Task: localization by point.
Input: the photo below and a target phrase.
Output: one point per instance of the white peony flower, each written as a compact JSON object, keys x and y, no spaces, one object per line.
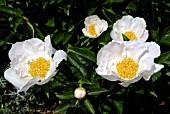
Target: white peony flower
{"x":32,"y":63}
{"x":94,"y":26}
{"x":128,"y":61}
{"x":133,"y":28}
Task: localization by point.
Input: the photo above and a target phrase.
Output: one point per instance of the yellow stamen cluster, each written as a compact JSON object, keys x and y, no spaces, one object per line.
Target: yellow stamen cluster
{"x":127,"y":68}
{"x":92,"y":30}
{"x":131,"y":35}
{"x":39,"y":67}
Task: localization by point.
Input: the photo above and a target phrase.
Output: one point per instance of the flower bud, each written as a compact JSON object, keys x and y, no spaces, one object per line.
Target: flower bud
{"x":80,"y":93}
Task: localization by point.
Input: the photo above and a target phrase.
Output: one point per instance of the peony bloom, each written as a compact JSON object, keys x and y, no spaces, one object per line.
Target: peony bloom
{"x":133,"y":28}
{"x":94,"y":26}
{"x":128,"y":61}
{"x":80,"y":93}
{"x":32,"y":63}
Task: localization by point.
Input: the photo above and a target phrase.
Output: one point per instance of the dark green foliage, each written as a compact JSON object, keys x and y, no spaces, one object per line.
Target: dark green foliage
{"x":63,"y":20}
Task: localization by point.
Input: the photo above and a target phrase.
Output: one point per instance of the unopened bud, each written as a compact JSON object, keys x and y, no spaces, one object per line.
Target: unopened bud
{"x":80,"y":93}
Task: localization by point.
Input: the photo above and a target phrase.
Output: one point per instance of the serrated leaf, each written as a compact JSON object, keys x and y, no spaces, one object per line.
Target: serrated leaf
{"x":96,"y":91}
{"x":156,"y":76}
{"x":82,"y":52}
{"x":74,"y":61}
{"x":119,"y":106}
{"x":89,"y":106}
{"x":163,"y":57}
{"x":12,"y":11}
{"x":63,"y":106}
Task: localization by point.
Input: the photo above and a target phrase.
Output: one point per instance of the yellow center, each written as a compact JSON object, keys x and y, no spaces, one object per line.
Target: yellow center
{"x":131,"y":35}
{"x":92,"y":30}
{"x":39,"y":67}
{"x":127,"y":68}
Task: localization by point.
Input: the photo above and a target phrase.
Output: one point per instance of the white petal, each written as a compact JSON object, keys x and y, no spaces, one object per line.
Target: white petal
{"x":59,"y":56}
{"x":20,"y":83}
{"x":117,"y":36}
{"x":138,"y":26}
{"x":135,"y":49}
{"x":48,"y":45}
{"x":154,"y":49}
{"x":30,"y":83}
{"x":16,"y":50}
{"x":33,"y":46}
{"x":144,"y":36}
{"x":123,"y":24}
{"x":127,"y":82}
{"x":91,"y":19}
{"x":155,"y":68}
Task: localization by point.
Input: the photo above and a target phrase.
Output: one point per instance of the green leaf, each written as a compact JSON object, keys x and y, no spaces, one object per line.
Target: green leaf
{"x":67,"y":36}
{"x":44,"y":4}
{"x":156,"y":76}
{"x":131,"y":6}
{"x":12,"y":11}
{"x":119,"y":106}
{"x":51,"y":22}
{"x":105,"y":37}
{"x":63,"y":106}
{"x":168,"y":73}
{"x":107,"y":17}
{"x":96,"y":91}
{"x":74,"y":61}
{"x":58,"y":37}
{"x":114,"y":1}
{"x":89,"y":106}
{"x":39,"y":33}
{"x":82,"y":52}
{"x":7,"y":38}
{"x":153,"y":94}
{"x":165,"y":39}
{"x":125,"y":38}
{"x":163,"y":57}
{"x":65,"y":95}
{"x":155,"y":35}
{"x":91,"y":11}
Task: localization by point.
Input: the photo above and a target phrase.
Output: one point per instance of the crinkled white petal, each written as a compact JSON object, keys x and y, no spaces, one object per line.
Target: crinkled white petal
{"x":15,"y":51}
{"x":21,"y":83}
{"x":100,"y":26}
{"x":22,"y":53}
{"x":33,"y":46}
{"x":58,"y":57}
{"x":128,"y":23}
{"x":91,"y":19}
{"x":48,"y":45}
{"x":110,"y":54}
